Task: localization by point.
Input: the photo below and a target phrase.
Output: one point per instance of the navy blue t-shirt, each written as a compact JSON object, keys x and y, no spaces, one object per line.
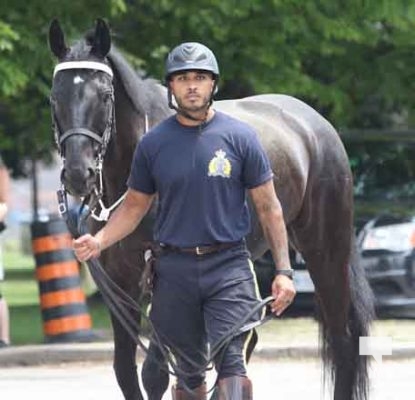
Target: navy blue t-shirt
{"x":201,"y":177}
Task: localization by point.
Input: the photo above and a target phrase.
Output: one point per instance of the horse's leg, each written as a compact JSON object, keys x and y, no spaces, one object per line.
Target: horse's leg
{"x":324,"y":236}
{"x":125,"y":366}
{"x":155,"y":378}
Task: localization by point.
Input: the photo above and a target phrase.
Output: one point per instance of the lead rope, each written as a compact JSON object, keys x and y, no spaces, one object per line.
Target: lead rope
{"x":121,"y":304}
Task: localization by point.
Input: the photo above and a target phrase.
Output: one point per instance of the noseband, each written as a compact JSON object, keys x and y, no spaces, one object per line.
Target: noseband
{"x":101,"y":138}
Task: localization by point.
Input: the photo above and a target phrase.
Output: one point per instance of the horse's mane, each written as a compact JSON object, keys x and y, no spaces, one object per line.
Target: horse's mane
{"x":133,"y":83}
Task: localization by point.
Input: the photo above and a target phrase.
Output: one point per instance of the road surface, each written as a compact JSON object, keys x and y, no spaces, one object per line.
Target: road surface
{"x":283,"y":380}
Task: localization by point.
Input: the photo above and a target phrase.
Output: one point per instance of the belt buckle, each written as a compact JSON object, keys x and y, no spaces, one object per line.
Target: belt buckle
{"x":199,"y":251}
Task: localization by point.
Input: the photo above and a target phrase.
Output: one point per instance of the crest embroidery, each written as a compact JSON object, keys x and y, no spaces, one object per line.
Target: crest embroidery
{"x":220,"y":165}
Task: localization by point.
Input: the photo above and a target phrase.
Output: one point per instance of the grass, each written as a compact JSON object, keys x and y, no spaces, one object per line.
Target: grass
{"x":20,"y":289}
{"x":290,"y":331}
{"x":21,"y":292}
{"x":304,"y":331}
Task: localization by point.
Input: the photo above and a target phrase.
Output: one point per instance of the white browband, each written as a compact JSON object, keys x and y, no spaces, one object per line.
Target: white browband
{"x":83,"y":65}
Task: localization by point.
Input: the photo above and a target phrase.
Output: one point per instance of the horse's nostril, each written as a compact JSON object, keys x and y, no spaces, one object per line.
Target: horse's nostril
{"x":91,"y":173}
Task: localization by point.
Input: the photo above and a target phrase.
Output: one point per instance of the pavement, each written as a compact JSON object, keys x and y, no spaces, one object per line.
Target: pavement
{"x":102,"y":351}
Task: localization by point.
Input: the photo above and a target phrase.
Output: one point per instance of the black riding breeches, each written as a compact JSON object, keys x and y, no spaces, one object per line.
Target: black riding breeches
{"x":199,"y":299}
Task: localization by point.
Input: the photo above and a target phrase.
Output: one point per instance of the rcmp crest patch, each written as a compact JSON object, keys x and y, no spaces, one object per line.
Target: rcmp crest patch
{"x":220,"y":165}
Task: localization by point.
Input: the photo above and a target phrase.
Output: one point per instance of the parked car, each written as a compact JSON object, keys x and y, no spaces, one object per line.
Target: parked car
{"x":385,"y":203}
{"x":387,"y":253}
{"x":384,"y":185}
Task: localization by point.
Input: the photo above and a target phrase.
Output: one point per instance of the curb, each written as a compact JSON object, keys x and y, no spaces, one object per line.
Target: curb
{"x":52,"y":354}
{"x":278,"y":352}
{"x":403,"y":351}
{"x":47,"y":354}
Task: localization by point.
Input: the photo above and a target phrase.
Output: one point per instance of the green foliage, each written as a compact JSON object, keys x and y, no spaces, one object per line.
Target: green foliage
{"x":26,"y":65}
{"x":11,"y":80}
{"x":351,"y":60}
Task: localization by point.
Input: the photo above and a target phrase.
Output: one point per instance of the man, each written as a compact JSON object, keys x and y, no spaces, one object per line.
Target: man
{"x":201,"y":163}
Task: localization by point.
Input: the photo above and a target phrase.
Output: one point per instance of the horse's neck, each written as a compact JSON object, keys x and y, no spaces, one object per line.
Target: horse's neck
{"x":132,"y":122}
{"x":141,"y":107}
{"x":139,"y":104}
{"x":130,"y":125}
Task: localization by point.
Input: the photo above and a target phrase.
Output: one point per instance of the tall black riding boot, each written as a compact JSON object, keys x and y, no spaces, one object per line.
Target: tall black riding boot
{"x":235,"y":388}
{"x":198,"y":393}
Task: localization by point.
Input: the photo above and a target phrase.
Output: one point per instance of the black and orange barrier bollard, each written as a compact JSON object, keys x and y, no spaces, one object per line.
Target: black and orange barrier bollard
{"x":62,"y":301}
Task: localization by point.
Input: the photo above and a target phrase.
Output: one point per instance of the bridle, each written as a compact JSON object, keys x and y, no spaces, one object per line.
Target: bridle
{"x":102,"y":138}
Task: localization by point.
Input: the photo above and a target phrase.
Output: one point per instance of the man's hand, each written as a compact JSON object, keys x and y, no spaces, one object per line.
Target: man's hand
{"x":3,"y":211}
{"x":86,"y":247}
{"x":283,"y":291}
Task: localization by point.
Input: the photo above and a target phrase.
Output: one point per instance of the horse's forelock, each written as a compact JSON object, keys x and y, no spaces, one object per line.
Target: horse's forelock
{"x":79,"y":51}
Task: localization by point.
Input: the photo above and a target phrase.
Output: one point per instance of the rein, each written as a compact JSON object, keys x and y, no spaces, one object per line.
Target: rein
{"x":121,"y":305}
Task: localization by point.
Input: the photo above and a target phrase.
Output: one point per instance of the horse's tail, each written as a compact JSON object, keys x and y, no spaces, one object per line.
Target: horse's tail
{"x":338,"y":350}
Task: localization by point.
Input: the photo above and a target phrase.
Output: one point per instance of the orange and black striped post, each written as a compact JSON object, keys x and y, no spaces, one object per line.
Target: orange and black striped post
{"x":62,"y":301}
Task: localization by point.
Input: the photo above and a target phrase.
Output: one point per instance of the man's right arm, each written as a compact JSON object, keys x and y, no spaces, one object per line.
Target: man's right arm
{"x":121,"y":223}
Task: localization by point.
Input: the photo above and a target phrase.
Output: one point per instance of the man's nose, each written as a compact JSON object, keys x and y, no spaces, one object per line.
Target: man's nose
{"x":192,"y":87}
{"x":192,"y":83}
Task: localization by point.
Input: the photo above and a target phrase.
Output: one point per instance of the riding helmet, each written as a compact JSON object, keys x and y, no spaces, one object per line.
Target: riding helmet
{"x":191,"y":56}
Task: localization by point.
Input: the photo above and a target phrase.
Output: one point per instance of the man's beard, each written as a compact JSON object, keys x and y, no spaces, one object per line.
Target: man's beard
{"x":194,"y":108}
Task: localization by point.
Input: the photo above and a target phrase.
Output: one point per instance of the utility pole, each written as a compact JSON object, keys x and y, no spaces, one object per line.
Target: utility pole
{"x":35,"y":190}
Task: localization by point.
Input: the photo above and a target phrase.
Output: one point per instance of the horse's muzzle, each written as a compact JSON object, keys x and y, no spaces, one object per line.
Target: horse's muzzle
{"x":78,"y":181}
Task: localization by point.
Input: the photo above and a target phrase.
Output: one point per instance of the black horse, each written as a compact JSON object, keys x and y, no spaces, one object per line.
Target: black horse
{"x":101,"y":108}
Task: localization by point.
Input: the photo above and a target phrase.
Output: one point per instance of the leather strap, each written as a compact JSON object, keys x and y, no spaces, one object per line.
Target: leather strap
{"x":200,"y":250}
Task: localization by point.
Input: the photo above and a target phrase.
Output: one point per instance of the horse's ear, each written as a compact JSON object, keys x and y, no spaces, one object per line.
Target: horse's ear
{"x":102,"y":39}
{"x":57,"y":40}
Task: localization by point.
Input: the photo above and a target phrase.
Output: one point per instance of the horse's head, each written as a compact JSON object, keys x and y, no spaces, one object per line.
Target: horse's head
{"x":82,"y":101}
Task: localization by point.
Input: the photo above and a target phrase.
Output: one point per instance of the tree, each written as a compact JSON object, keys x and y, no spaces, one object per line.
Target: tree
{"x":26,"y":65}
{"x":350,"y":60}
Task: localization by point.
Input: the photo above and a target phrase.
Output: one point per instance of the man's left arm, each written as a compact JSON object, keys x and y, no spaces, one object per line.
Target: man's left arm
{"x":270,"y":216}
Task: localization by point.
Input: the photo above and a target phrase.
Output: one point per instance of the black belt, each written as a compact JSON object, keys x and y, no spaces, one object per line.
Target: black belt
{"x":200,"y":250}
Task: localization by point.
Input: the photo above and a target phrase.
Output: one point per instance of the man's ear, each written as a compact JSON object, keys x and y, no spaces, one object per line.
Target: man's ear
{"x":169,"y":84}
{"x":215,"y":86}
